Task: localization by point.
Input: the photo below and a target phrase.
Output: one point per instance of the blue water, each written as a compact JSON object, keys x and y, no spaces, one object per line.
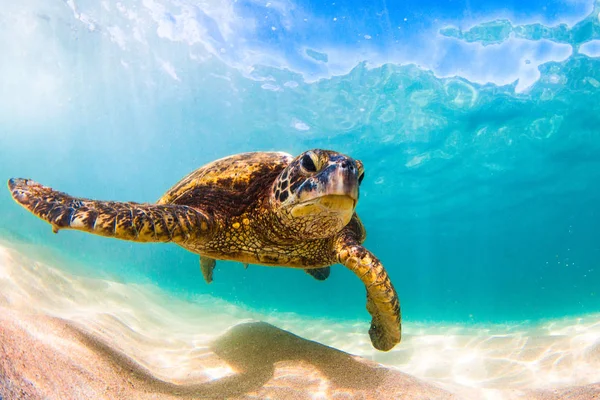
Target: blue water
{"x":478,"y":124}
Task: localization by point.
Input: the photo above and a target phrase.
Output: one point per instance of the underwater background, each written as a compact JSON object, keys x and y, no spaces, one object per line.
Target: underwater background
{"x":478,"y":124}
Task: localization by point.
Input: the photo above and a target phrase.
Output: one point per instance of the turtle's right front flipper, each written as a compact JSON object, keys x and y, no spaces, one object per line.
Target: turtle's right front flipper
{"x":127,"y":221}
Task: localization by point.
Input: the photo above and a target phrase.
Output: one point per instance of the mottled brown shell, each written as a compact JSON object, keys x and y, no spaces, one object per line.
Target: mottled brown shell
{"x":229,"y":184}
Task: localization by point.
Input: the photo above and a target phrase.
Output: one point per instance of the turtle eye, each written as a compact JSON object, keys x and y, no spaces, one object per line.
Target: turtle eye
{"x":361,"y":171}
{"x":308,"y":163}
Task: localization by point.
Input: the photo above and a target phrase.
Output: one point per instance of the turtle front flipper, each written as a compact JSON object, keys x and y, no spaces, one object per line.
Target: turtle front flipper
{"x":319,"y":274}
{"x":382,"y":300}
{"x":127,"y":221}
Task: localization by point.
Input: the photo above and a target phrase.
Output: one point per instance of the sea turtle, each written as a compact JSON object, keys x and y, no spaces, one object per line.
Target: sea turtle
{"x":265,"y":208}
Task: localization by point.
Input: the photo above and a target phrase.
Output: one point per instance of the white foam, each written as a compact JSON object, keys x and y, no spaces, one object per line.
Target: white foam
{"x":299,"y":125}
{"x":117,"y":36}
{"x":591,"y":48}
{"x":169,"y":69}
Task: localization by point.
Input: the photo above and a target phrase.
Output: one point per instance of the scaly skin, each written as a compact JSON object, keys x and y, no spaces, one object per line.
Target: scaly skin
{"x":382,"y":300}
{"x":258,"y":208}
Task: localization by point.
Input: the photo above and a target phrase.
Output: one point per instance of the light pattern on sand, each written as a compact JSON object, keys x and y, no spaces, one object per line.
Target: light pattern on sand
{"x":171,"y":337}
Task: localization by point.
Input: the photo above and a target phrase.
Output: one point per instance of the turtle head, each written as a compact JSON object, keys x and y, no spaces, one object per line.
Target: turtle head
{"x":317,"y":192}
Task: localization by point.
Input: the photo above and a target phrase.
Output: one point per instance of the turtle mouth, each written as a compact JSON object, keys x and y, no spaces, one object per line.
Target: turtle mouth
{"x":337,"y":201}
{"x":327,"y":204}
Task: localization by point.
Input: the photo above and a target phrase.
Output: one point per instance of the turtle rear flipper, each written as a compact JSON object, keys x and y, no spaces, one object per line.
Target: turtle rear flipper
{"x":319,"y":274}
{"x":207,"y":265}
{"x":127,"y":221}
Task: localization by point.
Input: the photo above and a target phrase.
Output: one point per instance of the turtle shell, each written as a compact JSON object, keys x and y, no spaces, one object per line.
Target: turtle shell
{"x":229,"y":185}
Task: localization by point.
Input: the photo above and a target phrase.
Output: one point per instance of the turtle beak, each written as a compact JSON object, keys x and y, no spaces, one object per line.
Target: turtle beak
{"x":342,"y":180}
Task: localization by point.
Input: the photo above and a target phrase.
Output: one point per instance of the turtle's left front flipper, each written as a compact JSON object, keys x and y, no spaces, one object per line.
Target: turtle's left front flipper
{"x":382,"y":299}
{"x":127,"y":221}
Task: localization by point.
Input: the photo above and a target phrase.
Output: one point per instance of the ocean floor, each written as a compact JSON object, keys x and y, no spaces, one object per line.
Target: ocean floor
{"x":61,"y":330}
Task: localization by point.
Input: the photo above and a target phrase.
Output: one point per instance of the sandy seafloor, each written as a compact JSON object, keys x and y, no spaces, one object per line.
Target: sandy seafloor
{"x":64,"y":335}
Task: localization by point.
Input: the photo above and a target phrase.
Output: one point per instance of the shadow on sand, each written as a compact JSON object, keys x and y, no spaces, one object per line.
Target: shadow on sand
{"x":253,"y":350}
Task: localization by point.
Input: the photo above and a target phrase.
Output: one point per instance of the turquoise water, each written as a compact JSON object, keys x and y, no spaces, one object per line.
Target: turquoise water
{"x":481,"y":192}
